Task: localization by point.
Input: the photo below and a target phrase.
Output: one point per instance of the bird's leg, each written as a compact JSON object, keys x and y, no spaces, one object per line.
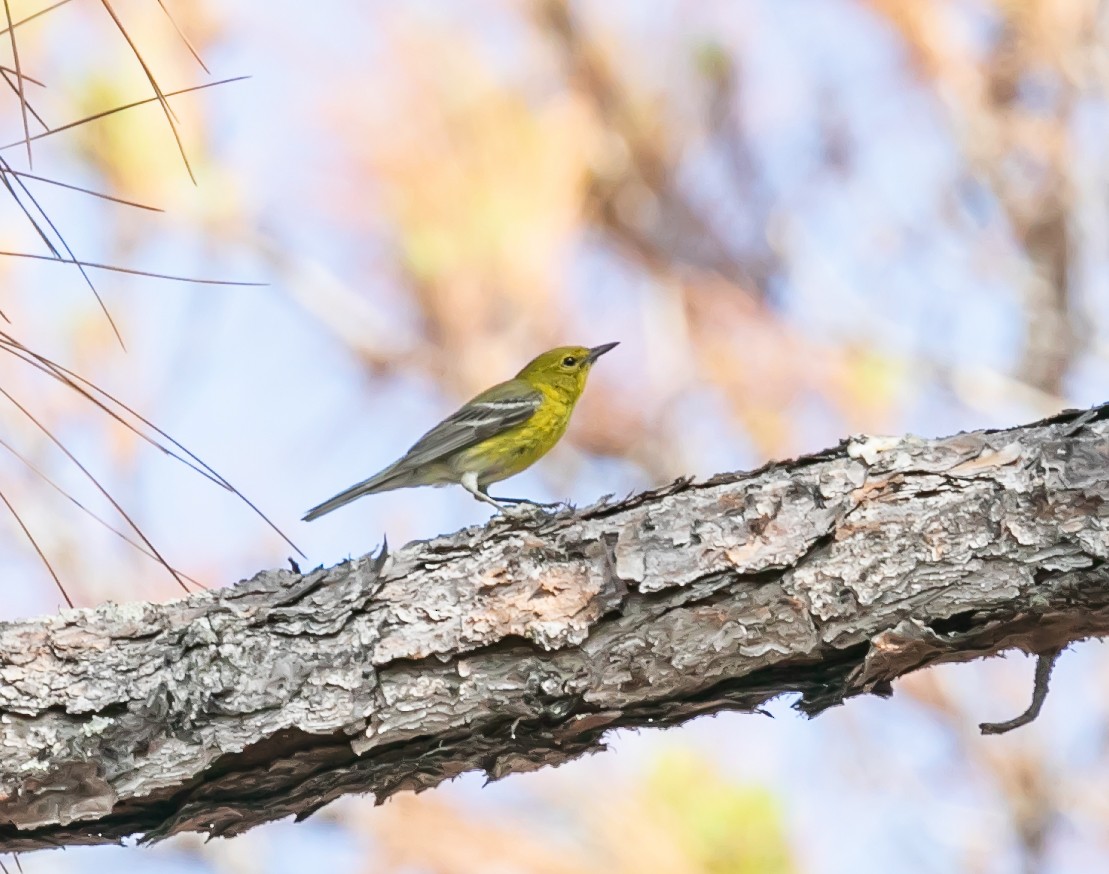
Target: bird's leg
{"x":469,"y":483}
{"x":511,"y":507}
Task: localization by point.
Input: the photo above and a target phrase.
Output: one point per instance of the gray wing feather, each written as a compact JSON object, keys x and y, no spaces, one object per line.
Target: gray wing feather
{"x":490,"y":413}
{"x":477,"y":421}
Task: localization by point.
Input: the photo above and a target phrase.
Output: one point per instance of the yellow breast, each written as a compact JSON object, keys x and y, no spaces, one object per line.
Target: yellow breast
{"x":520,"y":447}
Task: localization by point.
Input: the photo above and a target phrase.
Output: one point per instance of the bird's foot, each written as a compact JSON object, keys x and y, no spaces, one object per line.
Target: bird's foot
{"x":527,"y":501}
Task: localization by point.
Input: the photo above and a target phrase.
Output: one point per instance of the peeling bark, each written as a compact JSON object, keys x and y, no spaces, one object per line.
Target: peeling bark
{"x":518,"y":645}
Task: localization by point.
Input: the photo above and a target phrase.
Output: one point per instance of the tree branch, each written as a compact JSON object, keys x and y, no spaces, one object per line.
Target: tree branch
{"x":518,"y":645}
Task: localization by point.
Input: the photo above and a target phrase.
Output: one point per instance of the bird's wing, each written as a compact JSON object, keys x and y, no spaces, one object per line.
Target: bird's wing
{"x":493,"y":411}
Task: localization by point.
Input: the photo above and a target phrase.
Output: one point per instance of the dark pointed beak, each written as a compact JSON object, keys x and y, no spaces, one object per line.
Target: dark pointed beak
{"x":597,"y":351}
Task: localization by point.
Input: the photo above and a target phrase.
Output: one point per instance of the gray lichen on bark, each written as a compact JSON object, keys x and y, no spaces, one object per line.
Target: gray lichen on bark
{"x":518,"y":645}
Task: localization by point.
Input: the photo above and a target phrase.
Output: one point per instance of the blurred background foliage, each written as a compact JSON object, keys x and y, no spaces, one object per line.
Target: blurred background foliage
{"x":801,"y":218}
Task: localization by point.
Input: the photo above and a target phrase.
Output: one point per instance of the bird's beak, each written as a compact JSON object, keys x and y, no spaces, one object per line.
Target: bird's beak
{"x":597,"y":351}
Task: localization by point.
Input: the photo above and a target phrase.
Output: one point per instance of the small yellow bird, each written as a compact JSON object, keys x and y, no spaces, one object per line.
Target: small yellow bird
{"x":499,"y":433}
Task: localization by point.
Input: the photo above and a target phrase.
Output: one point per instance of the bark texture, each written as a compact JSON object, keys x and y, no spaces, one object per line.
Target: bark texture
{"x":518,"y":645}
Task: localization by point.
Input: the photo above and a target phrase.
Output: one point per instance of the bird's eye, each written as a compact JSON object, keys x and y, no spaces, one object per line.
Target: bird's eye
{"x":569,"y":361}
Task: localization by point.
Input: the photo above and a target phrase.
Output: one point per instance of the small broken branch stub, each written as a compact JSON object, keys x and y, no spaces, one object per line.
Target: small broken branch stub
{"x":1045,"y":662}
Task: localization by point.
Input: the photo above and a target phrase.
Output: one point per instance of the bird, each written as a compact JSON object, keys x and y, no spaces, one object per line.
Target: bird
{"x":497,"y":434}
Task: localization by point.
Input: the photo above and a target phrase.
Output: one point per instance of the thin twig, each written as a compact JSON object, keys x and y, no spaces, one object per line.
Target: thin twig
{"x":171,"y":118}
{"x":126,"y":106}
{"x":83,"y":190}
{"x":85,"y":388}
{"x":35,"y":15}
{"x":104,"y":522}
{"x":184,"y":38}
{"x":38,"y":548}
{"x":72,"y":256}
{"x":19,"y":83}
{"x":96,"y":482}
{"x":133,"y":272}
{"x":1045,"y":661}
{"x":15,"y":72}
{"x":6,"y":73}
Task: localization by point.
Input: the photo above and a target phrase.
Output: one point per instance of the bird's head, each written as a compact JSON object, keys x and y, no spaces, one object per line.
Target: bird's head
{"x":564,"y":368}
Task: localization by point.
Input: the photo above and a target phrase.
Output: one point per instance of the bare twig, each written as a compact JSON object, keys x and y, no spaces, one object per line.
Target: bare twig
{"x":98,"y":194}
{"x":35,"y":15}
{"x":1045,"y":662}
{"x":171,"y":118}
{"x":184,"y":38}
{"x":103,"y":399}
{"x":37,"y":548}
{"x":122,"y":108}
{"x":134,"y":272}
{"x":19,"y":83}
{"x":99,"y":487}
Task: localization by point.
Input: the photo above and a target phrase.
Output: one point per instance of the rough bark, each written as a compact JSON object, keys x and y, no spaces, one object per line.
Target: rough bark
{"x":518,"y":645}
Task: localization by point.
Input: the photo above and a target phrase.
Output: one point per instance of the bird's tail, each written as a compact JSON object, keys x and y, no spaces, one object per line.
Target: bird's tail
{"x":390,"y":478}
